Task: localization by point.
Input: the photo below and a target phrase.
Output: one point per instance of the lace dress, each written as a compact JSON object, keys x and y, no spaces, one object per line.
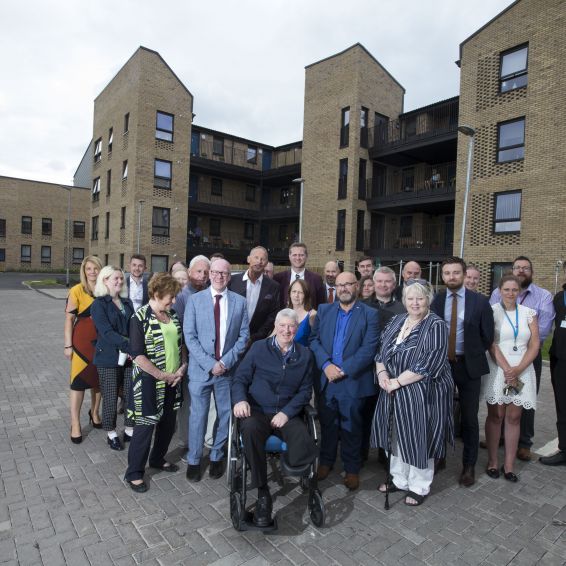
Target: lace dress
{"x":494,"y":382}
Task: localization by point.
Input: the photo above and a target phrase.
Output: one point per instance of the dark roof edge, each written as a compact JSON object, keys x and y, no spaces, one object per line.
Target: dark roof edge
{"x":451,"y":99}
{"x":358,"y":44}
{"x":61,"y":185}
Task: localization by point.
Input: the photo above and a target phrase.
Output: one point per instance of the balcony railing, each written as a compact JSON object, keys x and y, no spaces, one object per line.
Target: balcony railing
{"x":227,"y":198}
{"x":426,"y":239}
{"x":430,"y":122}
{"x":226,"y":241}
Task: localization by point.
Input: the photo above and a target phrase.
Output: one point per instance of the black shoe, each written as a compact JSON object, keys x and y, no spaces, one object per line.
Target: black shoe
{"x":493,"y":473}
{"x":114,"y":443}
{"x":558,"y":459}
{"x":138,"y":487}
{"x":468,"y":476}
{"x":509,"y":476}
{"x":262,"y":513}
{"x":171,"y":468}
{"x":77,"y":439}
{"x":216,"y":469}
{"x":91,"y":420}
{"x":193,"y":472}
{"x":126,"y":438}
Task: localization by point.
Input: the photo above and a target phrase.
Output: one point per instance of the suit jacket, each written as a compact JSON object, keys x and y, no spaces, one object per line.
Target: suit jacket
{"x":145,"y":279}
{"x":360,"y":346}
{"x":181,"y":301}
{"x":261,"y":323}
{"x":200,"y":335}
{"x":313,"y":280}
{"x":479,"y":330}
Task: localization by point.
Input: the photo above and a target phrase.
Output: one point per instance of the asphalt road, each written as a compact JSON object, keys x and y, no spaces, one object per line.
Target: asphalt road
{"x":13,"y":280}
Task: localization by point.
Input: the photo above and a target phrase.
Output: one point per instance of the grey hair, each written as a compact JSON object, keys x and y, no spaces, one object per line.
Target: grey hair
{"x":198,"y":258}
{"x":422,"y":290}
{"x":287,"y":313}
{"x":386,"y":270}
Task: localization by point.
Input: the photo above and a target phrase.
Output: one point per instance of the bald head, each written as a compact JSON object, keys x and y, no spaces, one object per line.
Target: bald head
{"x":331,"y":270}
{"x":412,"y":270}
{"x":219,"y":274}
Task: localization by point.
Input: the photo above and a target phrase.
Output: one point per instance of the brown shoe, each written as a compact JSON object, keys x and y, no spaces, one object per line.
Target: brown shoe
{"x":468,"y":476}
{"x":323,"y":472}
{"x":352,"y":481}
{"x":524,"y":454}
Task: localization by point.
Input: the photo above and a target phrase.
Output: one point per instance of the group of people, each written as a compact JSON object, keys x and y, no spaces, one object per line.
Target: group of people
{"x":385,"y":364}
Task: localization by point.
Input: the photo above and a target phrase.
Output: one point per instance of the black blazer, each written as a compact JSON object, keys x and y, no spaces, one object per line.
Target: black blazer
{"x":312,"y":279}
{"x":479,"y":330}
{"x":267,"y":307}
{"x":145,"y":279}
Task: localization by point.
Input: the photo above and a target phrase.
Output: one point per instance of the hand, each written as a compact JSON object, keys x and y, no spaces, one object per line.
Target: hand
{"x":279,"y":420}
{"x":393,"y":385}
{"x":218,"y":368}
{"x":384,"y":383}
{"x":242,"y":410}
{"x":511,"y":374}
{"x":68,"y":353}
{"x":333,"y":372}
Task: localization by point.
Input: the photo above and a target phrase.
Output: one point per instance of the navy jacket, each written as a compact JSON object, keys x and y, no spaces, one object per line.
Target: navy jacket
{"x":268,"y":384}
{"x":112,"y":329}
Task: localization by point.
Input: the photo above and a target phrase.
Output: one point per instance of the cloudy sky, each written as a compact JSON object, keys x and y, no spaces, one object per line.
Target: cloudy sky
{"x":242,"y":60}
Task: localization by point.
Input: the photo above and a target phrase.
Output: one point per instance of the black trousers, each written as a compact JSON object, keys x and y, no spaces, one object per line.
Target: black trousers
{"x":558,"y":377}
{"x":367,"y":421}
{"x":469,"y":394}
{"x":141,"y":440}
{"x":528,"y":415}
{"x":256,"y":429}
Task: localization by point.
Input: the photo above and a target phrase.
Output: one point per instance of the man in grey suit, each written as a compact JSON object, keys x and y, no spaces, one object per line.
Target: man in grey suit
{"x":216,"y":329}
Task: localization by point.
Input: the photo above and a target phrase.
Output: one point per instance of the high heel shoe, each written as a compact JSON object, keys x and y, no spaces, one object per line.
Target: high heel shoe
{"x":91,"y":420}
{"x":76,"y":439}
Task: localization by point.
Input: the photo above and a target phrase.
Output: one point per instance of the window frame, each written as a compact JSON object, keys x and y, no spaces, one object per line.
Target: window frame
{"x":2,"y":227}
{"x":500,"y":149}
{"x":164,"y":130}
{"x":77,"y":233}
{"x":216,"y":186}
{"x":522,"y":73}
{"x":126,"y":122}
{"x":345,"y":127}
{"x":362,"y":178}
{"x":95,"y":189}
{"x":406,"y":231}
{"x":496,"y":221}
{"x":26,"y":258}
{"x":41,"y":254}
{"x":110,"y":139}
{"x":125,"y":170}
{"x":122,"y":217}
{"x":161,"y":181}
{"x":94,"y":229}
{"x":166,"y":228}
{"x":360,"y":230}
{"x":340,"y":230}
{"x":47,"y":226}
{"x":251,"y":154}
{"x":97,"y":150}
{"x":343,"y":179}
{"x":107,"y":226}
{"x":76,"y":260}
{"x":26,"y":220}
{"x":217,"y":230}
{"x":216,"y":142}
{"x":251,"y":191}
{"x":2,"y":254}
{"x":108,"y":182}
{"x":364,"y":129}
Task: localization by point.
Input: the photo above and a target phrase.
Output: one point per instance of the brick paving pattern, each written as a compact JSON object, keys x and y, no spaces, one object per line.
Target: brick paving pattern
{"x":62,"y":503}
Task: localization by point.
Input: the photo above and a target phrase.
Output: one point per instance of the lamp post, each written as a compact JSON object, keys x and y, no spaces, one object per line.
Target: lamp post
{"x":139,"y":224}
{"x":470,"y":133}
{"x":301,"y":183}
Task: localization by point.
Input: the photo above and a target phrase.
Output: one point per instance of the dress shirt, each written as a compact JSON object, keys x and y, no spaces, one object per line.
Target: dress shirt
{"x":136,"y":292}
{"x":252,"y":293}
{"x":301,"y":275}
{"x":223,"y":314}
{"x":287,"y":354}
{"x":461,"y":311}
{"x":342,"y":322}
{"x":538,"y":299}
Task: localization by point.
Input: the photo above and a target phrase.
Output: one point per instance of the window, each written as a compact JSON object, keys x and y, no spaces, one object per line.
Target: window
{"x":108,"y":182}
{"x":340,"y":230}
{"x":381,"y":129}
{"x":408,"y":179}
{"x":2,"y":254}
{"x":360,"y":220}
{"x":193,"y":187}
{"x":106,"y":262}
{"x":251,"y":154}
{"x":25,"y":253}
{"x":78,"y":229}
{"x":498,"y":270}
{"x":126,"y":123}
{"x":507,"y":216}
{"x":411,"y":126}
{"x":249,"y":230}
{"x":46,"y":226}
{"x":45,"y":254}
{"x":345,"y":127}
{"x":513,"y":68}
{"x":250,"y":193}
{"x":110,"y":139}
{"x":97,"y":150}
{"x":107,"y":228}
{"x":26,"y":225}
{"x":511,"y":140}
{"x":164,"y":126}
{"x":96,"y":189}
{"x":160,"y":221}
{"x":218,"y":146}
{"x":123,"y":217}
{"x":364,"y":116}
{"x":282,"y":232}
{"x":215,"y":226}
{"x":122,"y":261}
{"x":216,"y":187}
{"x":405,"y":227}
{"x":362,"y":179}
{"x":343,"y":179}
{"x":124,"y":170}
{"x":162,"y":174}
{"x":159,"y":263}
{"x":2,"y":227}
{"x":78,"y":255}
{"x":285,"y":196}
{"x":94,"y":229}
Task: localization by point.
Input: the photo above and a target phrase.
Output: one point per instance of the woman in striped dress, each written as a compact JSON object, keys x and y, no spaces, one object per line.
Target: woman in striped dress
{"x":412,"y":368}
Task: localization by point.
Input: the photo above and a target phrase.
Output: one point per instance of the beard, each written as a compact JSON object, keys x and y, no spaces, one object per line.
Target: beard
{"x":346,"y":298}
{"x":526,"y":280}
{"x":454,"y":286}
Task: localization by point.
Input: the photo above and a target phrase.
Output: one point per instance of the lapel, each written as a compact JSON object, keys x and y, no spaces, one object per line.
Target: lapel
{"x":354,"y":320}
{"x":230,"y":303}
{"x":441,"y":303}
{"x":469,"y":301}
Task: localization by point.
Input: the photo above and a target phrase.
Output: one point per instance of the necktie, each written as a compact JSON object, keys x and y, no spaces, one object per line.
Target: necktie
{"x":330,"y":294}
{"x":217,"y":353}
{"x":453,"y":326}
{"x":297,"y":276}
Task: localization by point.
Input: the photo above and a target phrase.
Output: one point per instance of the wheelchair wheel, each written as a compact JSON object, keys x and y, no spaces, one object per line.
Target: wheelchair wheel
{"x":236,"y":510}
{"x":317,"y":513}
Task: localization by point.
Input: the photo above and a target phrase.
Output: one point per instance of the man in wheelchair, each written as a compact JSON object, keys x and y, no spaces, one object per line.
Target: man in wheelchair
{"x":271,"y":387}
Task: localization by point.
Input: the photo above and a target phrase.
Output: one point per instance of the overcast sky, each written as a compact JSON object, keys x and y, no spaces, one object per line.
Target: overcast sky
{"x":242,"y":60}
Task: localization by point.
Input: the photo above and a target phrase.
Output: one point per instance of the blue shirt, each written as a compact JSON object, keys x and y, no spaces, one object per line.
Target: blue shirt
{"x":342,"y":322}
{"x":461,"y":311}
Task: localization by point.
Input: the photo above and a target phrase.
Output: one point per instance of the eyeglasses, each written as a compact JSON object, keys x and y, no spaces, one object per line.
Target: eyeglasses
{"x":423,"y":282}
{"x":219,"y":273}
{"x":525,"y":269}
{"x":344,"y":285}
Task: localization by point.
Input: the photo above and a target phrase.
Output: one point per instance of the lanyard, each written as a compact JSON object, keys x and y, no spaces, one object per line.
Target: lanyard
{"x":515,"y":326}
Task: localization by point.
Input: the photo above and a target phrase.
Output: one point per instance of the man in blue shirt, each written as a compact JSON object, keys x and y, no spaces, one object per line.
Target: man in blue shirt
{"x":344,"y":343}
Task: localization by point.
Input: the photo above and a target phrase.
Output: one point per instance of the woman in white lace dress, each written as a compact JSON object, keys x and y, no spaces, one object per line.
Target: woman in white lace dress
{"x":511,"y":383}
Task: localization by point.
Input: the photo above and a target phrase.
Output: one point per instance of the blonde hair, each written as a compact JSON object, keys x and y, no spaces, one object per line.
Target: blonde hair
{"x":100,"y":290}
{"x":82,"y":272}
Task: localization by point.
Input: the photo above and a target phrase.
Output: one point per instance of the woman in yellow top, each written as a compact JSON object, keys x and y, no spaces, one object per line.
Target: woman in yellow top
{"x":80,"y":337}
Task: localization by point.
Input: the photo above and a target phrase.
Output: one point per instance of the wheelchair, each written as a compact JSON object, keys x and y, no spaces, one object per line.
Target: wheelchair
{"x":237,"y":471}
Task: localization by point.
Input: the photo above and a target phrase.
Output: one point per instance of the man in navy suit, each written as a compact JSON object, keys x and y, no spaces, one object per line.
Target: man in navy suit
{"x":216,"y":331}
{"x":298,"y":258}
{"x":469,"y":319}
{"x":344,"y":343}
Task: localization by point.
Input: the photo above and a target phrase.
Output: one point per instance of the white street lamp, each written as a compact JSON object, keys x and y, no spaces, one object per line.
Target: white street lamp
{"x":470,"y":133}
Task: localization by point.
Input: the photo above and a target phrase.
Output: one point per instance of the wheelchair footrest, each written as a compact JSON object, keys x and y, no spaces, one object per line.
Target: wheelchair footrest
{"x":247,"y":524}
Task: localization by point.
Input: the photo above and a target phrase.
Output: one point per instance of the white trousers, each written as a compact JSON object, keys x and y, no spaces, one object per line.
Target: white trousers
{"x":409,"y":478}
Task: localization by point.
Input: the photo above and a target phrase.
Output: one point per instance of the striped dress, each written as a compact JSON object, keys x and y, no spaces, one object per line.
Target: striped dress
{"x":423,"y":418}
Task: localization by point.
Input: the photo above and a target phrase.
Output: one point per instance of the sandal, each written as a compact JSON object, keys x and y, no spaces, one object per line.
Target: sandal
{"x":392,"y":488}
{"x":418,"y":498}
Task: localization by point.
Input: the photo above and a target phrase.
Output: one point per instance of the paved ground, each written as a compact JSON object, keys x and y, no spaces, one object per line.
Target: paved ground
{"x":62,"y":503}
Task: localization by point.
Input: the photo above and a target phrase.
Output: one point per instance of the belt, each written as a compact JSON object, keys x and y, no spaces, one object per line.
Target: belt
{"x":458,"y":358}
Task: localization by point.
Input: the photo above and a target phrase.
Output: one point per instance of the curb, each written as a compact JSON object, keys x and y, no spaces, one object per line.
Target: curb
{"x":43,"y":292}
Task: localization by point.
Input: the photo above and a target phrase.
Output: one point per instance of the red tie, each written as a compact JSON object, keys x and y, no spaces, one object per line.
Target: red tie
{"x":330,"y":294}
{"x":217,"y":353}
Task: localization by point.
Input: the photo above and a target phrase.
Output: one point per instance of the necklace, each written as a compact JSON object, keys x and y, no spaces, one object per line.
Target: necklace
{"x":408,"y":327}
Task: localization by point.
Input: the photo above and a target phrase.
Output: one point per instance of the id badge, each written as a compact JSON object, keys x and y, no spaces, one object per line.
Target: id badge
{"x":563,"y":324}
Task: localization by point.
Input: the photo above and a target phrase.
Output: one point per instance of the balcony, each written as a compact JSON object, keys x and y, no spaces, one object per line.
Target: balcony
{"x":428,"y":134}
{"x":232,"y":205}
{"x":231,"y":245}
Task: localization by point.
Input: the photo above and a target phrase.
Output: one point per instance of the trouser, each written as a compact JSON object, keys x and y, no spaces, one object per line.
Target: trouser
{"x":211,"y":425}
{"x":141,"y":440}
{"x":469,"y":394}
{"x":256,"y":429}
{"x":110,"y":381}
{"x":183,"y":414}
{"x":528,"y":415}
{"x":558,"y":377}
{"x":410,"y":478}
{"x":368,"y":413}
{"x":341,"y":418}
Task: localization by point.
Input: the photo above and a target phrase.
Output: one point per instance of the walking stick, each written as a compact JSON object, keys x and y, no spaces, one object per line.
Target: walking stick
{"x":389,"y":435}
